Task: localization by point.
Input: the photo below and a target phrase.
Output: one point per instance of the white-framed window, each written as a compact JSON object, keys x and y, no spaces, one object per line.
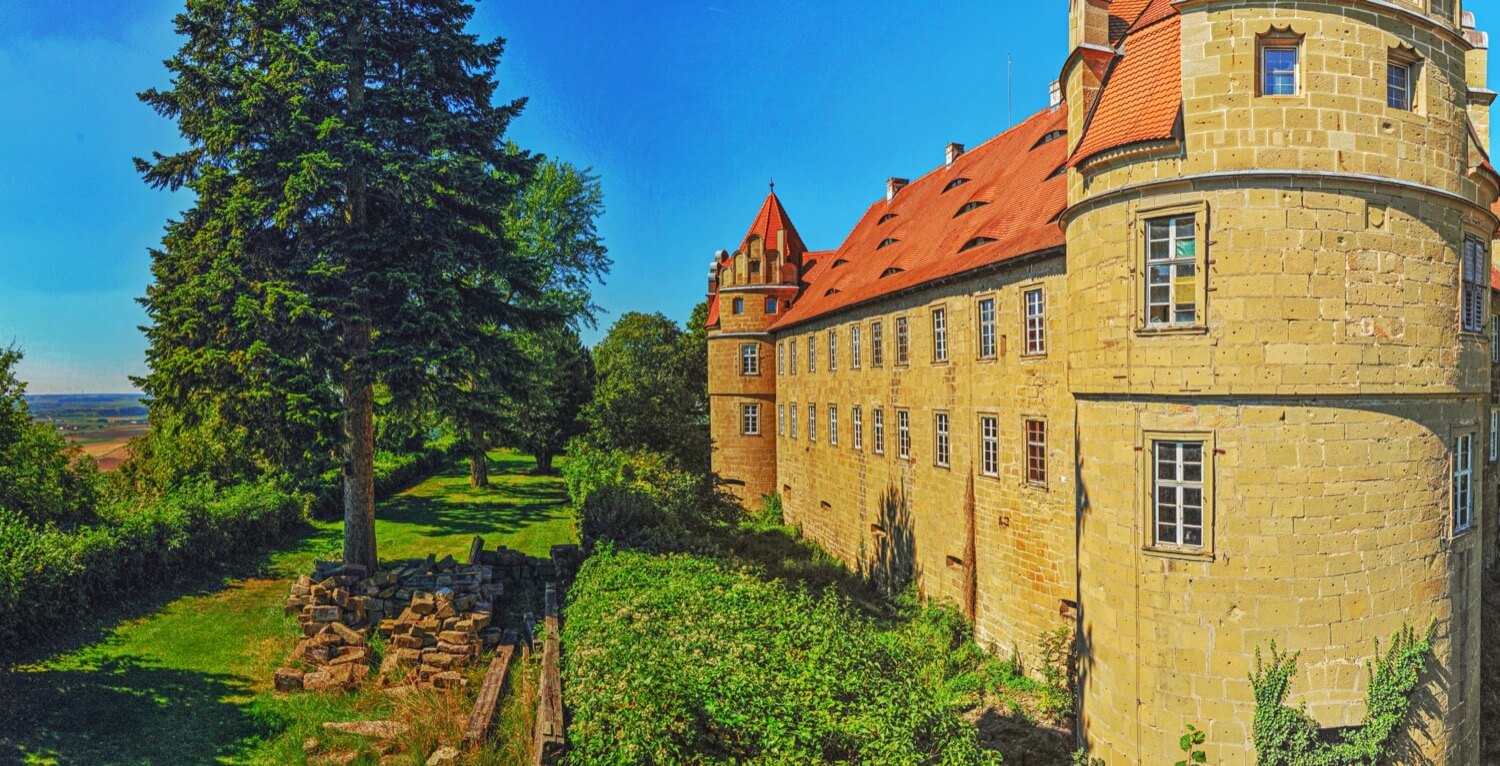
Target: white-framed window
{"x":1463,"y":483}
{"x":877,"y":430}
{"x":939,"y":335}
{"x":1494,"y":434}
{"x":940,"y":450}
{"x":903,"y":341}
{"x":749,"y":359}
{"x":1172,"y":271}
{"x":1036,"y":321}
{"x":854,"y":349}
{"x":903,"y":433}
{"x":812,"y":353}
{"x":987,"y":328}
{"x":833,"y":425}
{"x":989,"y":445}
{"x":1494,"y":340}
{"x":750,"y":419}
{"x":1177,"y":493}
{"x":781,"y":358}
{"x":781,"y":419}
{"x":1278,"y":68}
{"x":877,"y":344}
{"x":857,"y":423}
{"x":1398,"y":82}
{"x":833,"y":350}
{"x":1036,"y":452}
{"x":792,"y":355}
{"x":1476,"y":282}
{"x":812,"y":422}
{"x":792,"y":410}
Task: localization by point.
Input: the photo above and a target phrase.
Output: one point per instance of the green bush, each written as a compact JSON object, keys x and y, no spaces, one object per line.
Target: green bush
{"x":638,"y":499}
{"x":684,"y":659}
{"x":50,"y":575}
{"x":393,"y":473}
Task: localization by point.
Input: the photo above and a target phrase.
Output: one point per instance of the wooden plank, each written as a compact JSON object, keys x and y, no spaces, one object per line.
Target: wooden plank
{"x":482,"y":720}
{"x":549,"y":738}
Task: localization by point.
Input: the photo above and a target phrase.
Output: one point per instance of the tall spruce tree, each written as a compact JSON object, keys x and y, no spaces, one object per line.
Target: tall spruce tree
{"x":351,"y":173}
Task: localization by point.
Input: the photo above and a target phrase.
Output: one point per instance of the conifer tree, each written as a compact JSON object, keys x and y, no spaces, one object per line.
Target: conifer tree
{"x":351,"y":173}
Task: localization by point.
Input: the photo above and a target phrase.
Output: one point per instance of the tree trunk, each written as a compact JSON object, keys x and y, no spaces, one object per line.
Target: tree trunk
{"x":359,"y":474}
{"x":544,"y":463}
{"x":479,"y":467}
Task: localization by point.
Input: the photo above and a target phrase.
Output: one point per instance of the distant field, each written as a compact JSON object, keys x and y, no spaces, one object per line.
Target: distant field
{"x":102,"y":424}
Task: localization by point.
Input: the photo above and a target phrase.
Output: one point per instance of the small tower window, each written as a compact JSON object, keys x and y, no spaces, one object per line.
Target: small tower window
{"x":1403,"y":72}
{"x":771,"y":306}
{"x":1279,"y":55}
{"x":755,"y":267}
{"x":739,"y":305}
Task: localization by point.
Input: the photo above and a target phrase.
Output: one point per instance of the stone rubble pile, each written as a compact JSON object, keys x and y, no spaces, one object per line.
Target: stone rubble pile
{"x":339,"y":655}
{"x":437,"y":636}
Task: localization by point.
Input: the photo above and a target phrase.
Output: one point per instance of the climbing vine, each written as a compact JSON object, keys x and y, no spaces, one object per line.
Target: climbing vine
{"x":1287,"y":736}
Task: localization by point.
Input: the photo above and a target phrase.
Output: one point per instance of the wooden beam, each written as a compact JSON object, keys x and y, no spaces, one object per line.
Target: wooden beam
{"x":482,"y":720}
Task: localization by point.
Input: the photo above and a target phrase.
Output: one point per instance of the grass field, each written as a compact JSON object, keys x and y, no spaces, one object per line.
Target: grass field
{"x":183,"y":676}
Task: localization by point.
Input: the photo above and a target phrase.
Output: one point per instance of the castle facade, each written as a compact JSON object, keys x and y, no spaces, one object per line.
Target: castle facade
{"x":1200,"y":357}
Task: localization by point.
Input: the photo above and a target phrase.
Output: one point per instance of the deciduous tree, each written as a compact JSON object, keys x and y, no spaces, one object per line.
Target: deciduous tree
{"x":651,"y":391}
{"x":542,"y":414}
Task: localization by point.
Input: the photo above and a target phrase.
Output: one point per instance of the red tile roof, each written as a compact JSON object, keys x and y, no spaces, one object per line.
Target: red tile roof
{"x":1142,"y":94}
{"x":770,"y":222}
{"x":1123,"y":15}
{"x":1013,"y":174}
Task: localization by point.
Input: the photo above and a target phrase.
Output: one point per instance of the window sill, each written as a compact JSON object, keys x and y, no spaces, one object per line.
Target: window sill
{"x":1181,"y":554}
{"x":1033,"y":485}
{"x":1187,"y":329}
{"x":1033,"y":357}
{"x":987,"y":359}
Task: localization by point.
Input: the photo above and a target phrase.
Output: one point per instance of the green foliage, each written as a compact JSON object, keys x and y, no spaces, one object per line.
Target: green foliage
{"x":1191,"y":738}
{"x":1286,"y":736}
{"x":42,"y":478}
{"x":771,"y":511}
{"x":641,"y":499}
{"x":557,"y":379}
{"x":50,"y":575}
{"x":1081,"y":758}
{"x":651,"y":392}
{"x":684,"y":659}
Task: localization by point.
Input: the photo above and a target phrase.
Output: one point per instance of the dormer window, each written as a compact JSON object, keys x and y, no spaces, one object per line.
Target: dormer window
{"x":969,"y":207}
{"x":955,"y":183}
{"x":884,"y":218}
{"x":838,"y":263}
{"x":976,"y":242}
{"x":1052,"y":135}
{"x":890,"y":271}
{"x":887,"y":242}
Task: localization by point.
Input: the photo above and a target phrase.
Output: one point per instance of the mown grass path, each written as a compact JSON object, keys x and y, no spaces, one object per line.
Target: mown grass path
{"x":184,"y":677}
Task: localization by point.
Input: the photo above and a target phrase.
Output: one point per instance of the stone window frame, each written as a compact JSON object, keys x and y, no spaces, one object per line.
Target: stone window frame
{"x":750,"y":419}
{"x":1406,"y":57}
{"x":812,"y":423}
{"x":994,"y":327}
{"x":1203,"y":221}
{"x":877,"y":343}
{"x":1027,"y":479}
{"x":1494,"y":434}
{"x":988,"y":450}
{"x":1462,"y":505}
{"x":1494,"y":339}
{"x":750,"y":360}
{"x":1280,"y":38}
{"x":877,"y":430}
{"x":1027,"y":350}
{"x":781,"y":358}
{"x":854,"y":348}
{"x":781,"y":419}
{"x":856,"y":428}
{"x":812,"y":353}
{"x":1480,"y":286}
{"x":939,"y":318}
{"x":903,"y":433}
{"x":772,"y":306}
{"x":791,"y":356}
{"x":833,"y":425}
{"x":737,"y":306}
{"x":903,"y":341}
{"x":792,"y":422}
{"x":942,"y":439}
{"x":833,"y":349}
{"x":1146,"y":481}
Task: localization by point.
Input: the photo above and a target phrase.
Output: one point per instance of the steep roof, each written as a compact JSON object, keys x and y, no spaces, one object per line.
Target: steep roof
{"x":770,"y":222}
{"x":920,"y":236}
{"x":1142,"y":94}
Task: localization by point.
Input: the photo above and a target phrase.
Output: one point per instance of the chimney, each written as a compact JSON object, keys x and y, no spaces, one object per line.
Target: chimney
{"x":1054,"y":95}
{"x":713,"y":270}
{"x":1476,"y":66}
{"x":953,"y":152}
{"x":893,"y":185}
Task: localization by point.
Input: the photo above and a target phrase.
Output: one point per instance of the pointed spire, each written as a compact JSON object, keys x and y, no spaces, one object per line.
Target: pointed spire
{"x":772,"y":221}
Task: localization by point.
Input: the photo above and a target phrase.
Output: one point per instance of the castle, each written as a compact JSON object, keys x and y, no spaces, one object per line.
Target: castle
{"x":1200,"y":357}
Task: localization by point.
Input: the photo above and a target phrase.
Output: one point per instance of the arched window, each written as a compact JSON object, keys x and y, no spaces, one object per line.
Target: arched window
{"x":1050,"y":137}
{"x":955,"y":183}
{"x":976,"y":242}
{"x":890,"y":271}
{"x":970,"y":207}
{"x":884,"y":218}
{"x":886,"y":243}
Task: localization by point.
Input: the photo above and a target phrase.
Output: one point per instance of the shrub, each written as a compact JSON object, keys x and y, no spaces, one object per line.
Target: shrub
{"x":393,"y":473}
{"x":683,"y":659}
{"x":638,"y":499}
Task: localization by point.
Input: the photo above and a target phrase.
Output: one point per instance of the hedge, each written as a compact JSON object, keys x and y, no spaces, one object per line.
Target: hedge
{"x":393,"y":473}
{"x":49,"y":575}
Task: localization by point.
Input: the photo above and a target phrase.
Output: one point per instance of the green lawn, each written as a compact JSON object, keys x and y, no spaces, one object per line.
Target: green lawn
{"x":184,"y":677}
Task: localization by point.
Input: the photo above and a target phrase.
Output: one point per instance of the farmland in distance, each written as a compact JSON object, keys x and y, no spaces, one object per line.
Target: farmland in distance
{"x":101,"y":424}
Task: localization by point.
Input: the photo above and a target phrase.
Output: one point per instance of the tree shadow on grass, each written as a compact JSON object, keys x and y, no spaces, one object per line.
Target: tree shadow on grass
{"x":501,"y":509}
{"x":123,"y":711}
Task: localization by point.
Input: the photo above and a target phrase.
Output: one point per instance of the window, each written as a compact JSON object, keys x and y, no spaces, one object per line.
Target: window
{"x":1036,"y":452}
{"x":1278,"y":68}
{"x":1494,"y":340}
{"x":812,"y":422}
{"x":833,"y":350}
{"x":833,"y":425}
{"x":887,"y":242}
{"x":771,"y":306}
{"x":940,"y":439}
{"x":792,"y":356}
{"x":781,"y":358}
{"x":750,"y":419}
{"x":884,"y":218}
{"x":793,"y":411}
{"x":1036,"y":322}
{"x":1398,"y":86}
{"x":1463,"y":483}
{"x":877,"y":430}
{"x":812,"y":353}
{"x":1177,"y":493}
{"x":854,"y":347}
{"x":755,"y":267}
{"x":976,"y":242}
{"x":781,"y":419}
{"x":749,"y":359}
{"x":903,"y":341}
{"x":955,"y":183}
{"x":739,"y":305}
{"x":1171,"y":271}
{"x":903,"y":433}
{"x":1494,"y":435}
{"x":987,"y":328}
{"x":877,"y":346}
{"x":989,"y":445}
{"x":970,"y":207}
{"x":858,"y":425}
{"x":1476,"y":283}
{"x":939,"y":336}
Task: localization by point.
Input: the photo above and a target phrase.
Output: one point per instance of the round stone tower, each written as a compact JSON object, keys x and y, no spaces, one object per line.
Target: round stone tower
{"x":748,"y":291}
{"x":1278,"y":244}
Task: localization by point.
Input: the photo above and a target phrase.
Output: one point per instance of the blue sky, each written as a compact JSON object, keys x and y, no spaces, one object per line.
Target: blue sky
{"x":685,"y":109}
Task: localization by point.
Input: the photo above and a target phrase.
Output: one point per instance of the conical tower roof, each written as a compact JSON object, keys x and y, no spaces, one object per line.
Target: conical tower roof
{"x":770,"y":222}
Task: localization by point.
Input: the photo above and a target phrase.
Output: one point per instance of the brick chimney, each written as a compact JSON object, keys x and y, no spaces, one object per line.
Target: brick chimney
{"x":893,"y":185}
